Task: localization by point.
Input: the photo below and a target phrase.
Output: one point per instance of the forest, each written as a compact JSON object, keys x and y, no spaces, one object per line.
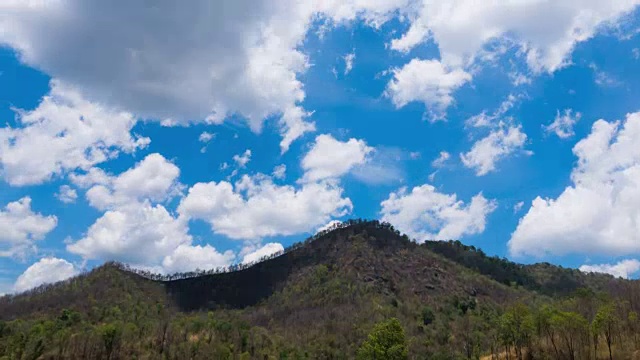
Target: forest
{"x":360,"y":290}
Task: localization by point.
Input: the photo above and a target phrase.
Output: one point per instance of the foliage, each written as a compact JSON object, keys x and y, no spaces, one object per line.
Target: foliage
{"x":386,"y":341}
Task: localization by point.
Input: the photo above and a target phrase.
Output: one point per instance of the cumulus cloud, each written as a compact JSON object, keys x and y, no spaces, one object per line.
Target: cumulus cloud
{"x":188,"y":258}
{"x":138,"y":234}
{"x":144,"y":64}
{"x":135,"y":228}
{"x":259,"y":253}
{"x":67,"y":194}
{"x":427,"y":81}
{"x":331,"y":158}
{"x":64,"y":133}
{"x":154,"y":178}
{"x":426,"y":214}
{"x":545,"y":31}
{"x":255,"y":207}
{"x":623,"y":268}
{"x":598,"y":213}
{"x":46,"y":271}
{"x":486,"y":152}
{"x":563,"y":124}
{"x":21,"y":227}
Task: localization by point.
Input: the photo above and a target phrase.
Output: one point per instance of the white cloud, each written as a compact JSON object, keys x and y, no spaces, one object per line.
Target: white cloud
{"x":545,"y":31}
{"x":20,"y":227}
{"x":563,"y":124}
{"x":89,"y":178}
{"x":189,"y":258}
{"x":499,"y":144}
{"x":427,"y":81}
{"x":441,"y":160}
{"x":280,"y":171}
{"x":623,"y":269}
{"x":135,"y":228}
{"x":147,"y":68}
{"x":205,"y":137}
{"x":65,"y":132}
{"x":331,"y":158}
{"x":603,"y":78}
{"x":348,"y":62}
{"x":67,"y":194}
{"x":266,"y":250}
{"x":518,"y":79}
{"x":138,"y":234}
{"x":154,"y":178}
{"x":492,"y":120}
{"x":46,"y":271}
{"x":599,"y":212}
{"x":255,"y":207}
{"x":166,"y":64}
{"x":330,"y":225}
{"x":518,"y":206}
{"x":242,"y":159}
{"x":426,"y":214}
{"x":636,"y":53}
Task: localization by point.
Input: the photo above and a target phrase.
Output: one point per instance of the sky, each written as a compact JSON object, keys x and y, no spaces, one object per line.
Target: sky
{"x":177,"y":137}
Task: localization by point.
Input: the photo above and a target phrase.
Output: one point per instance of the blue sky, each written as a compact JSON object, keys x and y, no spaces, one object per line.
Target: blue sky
{"x":198,"y":136}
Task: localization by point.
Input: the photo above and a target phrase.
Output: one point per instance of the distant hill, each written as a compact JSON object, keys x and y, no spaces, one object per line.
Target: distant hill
{"x":317,"y":300}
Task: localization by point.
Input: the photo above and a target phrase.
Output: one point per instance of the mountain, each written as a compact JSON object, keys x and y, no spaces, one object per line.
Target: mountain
{"x":318,"y":300}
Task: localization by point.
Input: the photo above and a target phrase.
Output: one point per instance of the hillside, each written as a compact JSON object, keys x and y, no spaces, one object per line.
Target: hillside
{"x":319,"y":299}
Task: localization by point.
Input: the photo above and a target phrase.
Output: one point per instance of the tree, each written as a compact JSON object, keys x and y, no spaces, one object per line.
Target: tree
{"x":605,"y":323}
{"x":572,"y":327}
{"x":545,"y":326}
{"x":110,"y":334}
{"x":516,"y":328}
{"x":632,"y":320}
{"x":386,"y":341}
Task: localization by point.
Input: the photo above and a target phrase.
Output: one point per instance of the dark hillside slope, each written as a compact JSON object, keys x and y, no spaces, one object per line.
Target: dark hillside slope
{"x":249,"y":286}
{"x":545,"y":278}
{"x":367,"y":253}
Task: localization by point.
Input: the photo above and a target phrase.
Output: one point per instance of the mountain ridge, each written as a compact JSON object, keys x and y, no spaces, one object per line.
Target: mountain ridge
{"x":320,"y":297}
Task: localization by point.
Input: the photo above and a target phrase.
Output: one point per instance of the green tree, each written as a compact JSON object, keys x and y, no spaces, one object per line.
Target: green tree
{"x":605,"y":323}
{"x":110,"y":334}
{"x":545,"y":327}
{"x":632,"y":321}
{"x":572,"y":328}
{"x":386,"y":341}
{"x":516,"y":328}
